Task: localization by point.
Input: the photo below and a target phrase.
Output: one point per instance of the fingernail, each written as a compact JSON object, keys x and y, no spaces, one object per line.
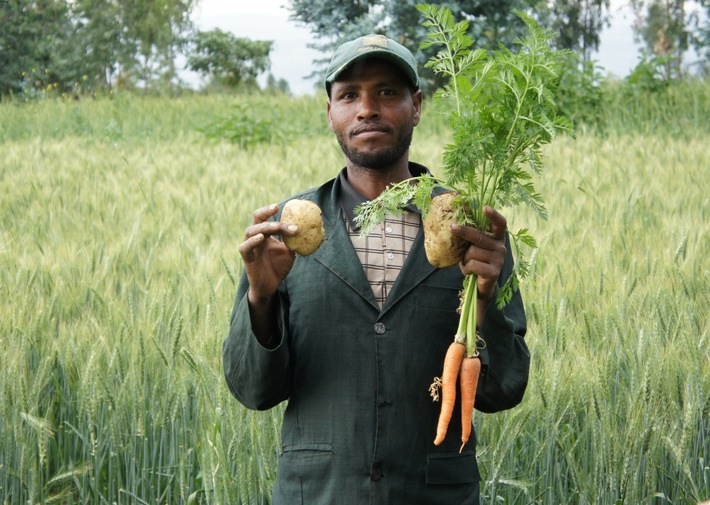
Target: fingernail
{"x":273,"y":206}
{"x":292,"y":228}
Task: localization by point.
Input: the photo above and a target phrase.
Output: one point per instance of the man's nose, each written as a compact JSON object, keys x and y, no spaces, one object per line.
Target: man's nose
{"x":368,"y":108}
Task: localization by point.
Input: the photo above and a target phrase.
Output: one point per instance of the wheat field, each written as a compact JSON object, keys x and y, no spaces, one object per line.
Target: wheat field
{"x":120,"y":221}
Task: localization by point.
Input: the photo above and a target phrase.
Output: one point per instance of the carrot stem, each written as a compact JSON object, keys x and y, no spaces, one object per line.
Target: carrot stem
{"x":466,"y":332}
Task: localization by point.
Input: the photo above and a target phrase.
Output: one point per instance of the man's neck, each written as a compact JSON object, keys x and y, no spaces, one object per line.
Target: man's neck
{"x":371,"y":182}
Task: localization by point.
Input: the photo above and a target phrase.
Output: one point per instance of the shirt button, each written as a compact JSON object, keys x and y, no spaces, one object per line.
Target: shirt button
{"x":376,"y":474}
{"x":380,"y":328}
{"x":388,"y":229}
{"x":390,"y":256}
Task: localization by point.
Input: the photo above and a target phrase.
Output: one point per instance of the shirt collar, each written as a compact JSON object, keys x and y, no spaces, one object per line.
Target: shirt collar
{"x":350,"y":199}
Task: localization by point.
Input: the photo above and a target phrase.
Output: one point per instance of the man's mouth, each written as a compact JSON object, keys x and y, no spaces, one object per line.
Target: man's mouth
{"x":369,"y":129}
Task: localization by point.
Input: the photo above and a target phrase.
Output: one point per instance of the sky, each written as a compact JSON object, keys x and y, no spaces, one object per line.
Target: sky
{"x":291,"y":58}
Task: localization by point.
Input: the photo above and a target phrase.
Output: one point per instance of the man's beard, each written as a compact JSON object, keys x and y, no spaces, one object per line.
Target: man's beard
{"x":382,"y":159}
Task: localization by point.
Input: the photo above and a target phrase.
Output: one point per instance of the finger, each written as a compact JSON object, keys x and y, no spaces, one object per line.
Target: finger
{"x":264,"y":213}
{"x":478,"y":267}
{"x":493,"y":253}
{"x":270,"y":228}
{"x":498,"y":222}
{"x":478,"y":238}
{"x":248,"y":248}
{"x":468,"y":233}
{"x":486,"y":265}
{"x":486,"y":272}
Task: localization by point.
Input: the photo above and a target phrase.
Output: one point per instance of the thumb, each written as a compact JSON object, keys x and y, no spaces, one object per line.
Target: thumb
{"x":498,"y":222}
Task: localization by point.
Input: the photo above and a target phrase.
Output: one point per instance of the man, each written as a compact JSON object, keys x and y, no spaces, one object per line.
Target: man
{"x":353,"y":335}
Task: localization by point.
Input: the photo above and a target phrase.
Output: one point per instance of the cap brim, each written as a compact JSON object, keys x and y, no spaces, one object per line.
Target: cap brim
{"x":400,"y":62}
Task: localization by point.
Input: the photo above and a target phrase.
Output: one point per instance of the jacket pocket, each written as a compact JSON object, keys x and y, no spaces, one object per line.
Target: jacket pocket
{"x":304,"y":471}
{"x":452,"y":468}
{"x":438,"y":297}
{"x":305,"y":451}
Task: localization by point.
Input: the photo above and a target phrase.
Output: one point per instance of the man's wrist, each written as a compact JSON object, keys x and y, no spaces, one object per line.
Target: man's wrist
{"x":259,"y":302}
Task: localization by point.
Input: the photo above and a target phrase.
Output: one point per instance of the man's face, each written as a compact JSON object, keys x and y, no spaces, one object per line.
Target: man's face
{"x":373,"y":113}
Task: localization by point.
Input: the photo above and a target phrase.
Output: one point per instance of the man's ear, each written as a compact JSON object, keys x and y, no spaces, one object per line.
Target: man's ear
{"x":417,"y":98}
{"x":327,"y":109}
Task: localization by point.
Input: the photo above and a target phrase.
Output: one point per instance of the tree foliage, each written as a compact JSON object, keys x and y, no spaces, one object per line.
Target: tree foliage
{"x":663,"y":28}
{"x":88,"y":44}
{"x":157,"y":30}
{"x":579,"y":24}
{"x":230,"y":60}
{"x":33,"y":48}
{"x":491,"y":23}
{"x":701,"y":41}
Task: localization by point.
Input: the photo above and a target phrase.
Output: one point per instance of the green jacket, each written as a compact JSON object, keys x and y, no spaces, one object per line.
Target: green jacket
{"x":359,"y":425}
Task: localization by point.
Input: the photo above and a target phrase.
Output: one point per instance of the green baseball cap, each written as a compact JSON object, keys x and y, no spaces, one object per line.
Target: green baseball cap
{"x":377,"y":46}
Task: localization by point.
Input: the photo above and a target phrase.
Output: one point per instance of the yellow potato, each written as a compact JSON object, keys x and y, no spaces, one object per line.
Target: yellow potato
{"x":443,"y":249}
{"x":309,"y":219}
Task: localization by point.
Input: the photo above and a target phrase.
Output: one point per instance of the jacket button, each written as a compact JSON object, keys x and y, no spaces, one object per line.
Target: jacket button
{"x":380,"y":328}
{"x":376,"y":474}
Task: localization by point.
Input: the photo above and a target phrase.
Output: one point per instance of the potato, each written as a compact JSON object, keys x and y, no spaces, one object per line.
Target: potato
{"x":443,"y":249}
{"x":309,"y":219}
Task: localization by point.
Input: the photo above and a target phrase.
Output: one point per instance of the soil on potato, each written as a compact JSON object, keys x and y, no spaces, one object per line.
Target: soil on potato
{"x":443,"y":249}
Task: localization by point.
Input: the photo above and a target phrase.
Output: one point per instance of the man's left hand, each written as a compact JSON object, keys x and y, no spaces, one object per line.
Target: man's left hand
{"x":486,"y":254}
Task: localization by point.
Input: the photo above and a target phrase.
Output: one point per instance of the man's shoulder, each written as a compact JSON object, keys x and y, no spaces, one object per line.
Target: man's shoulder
{"x":320,"y":195}
{"x":315,"y":193}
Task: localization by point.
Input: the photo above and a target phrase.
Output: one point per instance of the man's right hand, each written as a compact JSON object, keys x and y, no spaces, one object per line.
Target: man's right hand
{"x":267,"y":261}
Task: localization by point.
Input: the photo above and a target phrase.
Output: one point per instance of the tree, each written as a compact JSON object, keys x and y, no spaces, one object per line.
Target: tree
{"x":33,"y":44}
{"x":230,"y":60}
{"x":662,"y":26}
{"x":492,"y":23}
{"x":701,"y":38}
{"x":65,"y":44}
{"x":136,"y":40}
{"x":98,"y":37}
{"x":278,"y":85}
{"x":156,"y":29}
{"x":579,"y":24}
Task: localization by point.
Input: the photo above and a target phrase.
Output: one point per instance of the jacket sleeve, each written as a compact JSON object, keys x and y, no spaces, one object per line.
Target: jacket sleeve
{"x":506,"y":359}
{"x":258,"y":377}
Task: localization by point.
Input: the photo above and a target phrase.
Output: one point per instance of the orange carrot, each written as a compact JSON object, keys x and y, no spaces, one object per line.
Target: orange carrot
{"x":452,"y":366}
{"x":470,"y":371}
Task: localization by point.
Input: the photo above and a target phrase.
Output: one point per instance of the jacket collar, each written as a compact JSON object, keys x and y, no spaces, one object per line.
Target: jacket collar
{"x":349,"y":198}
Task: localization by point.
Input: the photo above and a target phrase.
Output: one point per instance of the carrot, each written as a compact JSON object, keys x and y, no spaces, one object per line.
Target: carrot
{"x":452,"y":366}
{"x":470,"y":371}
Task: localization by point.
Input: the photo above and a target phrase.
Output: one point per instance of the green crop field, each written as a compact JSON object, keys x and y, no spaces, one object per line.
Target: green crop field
{"x":119,"y":226}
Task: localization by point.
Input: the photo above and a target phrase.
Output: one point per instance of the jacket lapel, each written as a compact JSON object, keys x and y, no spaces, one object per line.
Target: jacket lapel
{"x":415,"y":270}
{"x":337,"y":254}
